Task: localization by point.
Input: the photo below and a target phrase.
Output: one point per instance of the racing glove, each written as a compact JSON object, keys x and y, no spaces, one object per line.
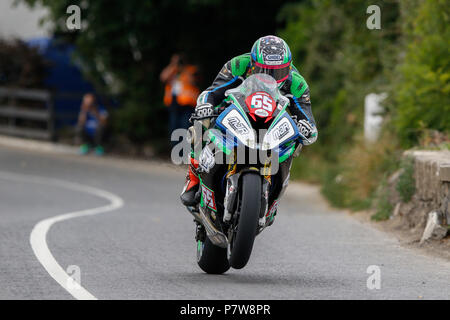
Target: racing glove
{"x":202,"y":111}
{"x":308,"y":132}
{"x":202,"y":115}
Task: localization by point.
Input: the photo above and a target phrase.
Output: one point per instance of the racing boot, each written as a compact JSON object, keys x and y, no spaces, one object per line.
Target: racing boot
{"x":188,"y":195}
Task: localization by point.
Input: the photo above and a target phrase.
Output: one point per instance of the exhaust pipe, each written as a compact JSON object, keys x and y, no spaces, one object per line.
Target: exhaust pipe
{"x":216,"y":237}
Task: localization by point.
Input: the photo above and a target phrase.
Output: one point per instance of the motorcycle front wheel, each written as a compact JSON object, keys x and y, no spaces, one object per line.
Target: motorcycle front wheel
{"x":250,"y":206}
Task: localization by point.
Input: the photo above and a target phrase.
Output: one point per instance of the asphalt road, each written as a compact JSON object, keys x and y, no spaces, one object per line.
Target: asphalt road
{"x":145,"y":249}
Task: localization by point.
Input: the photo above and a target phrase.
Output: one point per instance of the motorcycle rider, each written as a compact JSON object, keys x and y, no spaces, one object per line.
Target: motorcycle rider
{"x":270,"y":55}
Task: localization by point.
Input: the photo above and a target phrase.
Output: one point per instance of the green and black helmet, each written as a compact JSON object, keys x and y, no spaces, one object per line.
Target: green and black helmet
{"x":271,"y":55}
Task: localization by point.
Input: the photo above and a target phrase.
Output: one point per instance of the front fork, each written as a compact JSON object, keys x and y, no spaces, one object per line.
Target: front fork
{"x":231,"y":199}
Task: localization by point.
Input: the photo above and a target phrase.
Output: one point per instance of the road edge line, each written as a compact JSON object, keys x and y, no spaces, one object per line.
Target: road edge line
{"x":38,"y":236}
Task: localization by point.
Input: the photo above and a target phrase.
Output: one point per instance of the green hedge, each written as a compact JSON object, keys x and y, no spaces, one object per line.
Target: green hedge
{"x":342,"y":61}
{"x":422,"y":99}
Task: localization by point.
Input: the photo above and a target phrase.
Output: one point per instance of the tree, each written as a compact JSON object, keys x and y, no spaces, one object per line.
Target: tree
{"x":125,"y":44}
{"x":423,"y":88}
{"x":20,"y":65}
{"x":342,"y":61}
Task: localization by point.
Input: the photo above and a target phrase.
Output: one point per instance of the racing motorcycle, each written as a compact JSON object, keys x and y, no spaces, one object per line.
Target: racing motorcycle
{"x":241,"y":172}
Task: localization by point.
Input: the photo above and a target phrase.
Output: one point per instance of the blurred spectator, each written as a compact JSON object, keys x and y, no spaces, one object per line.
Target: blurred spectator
{"x":181,"y":91}
{"x":91,"y":125}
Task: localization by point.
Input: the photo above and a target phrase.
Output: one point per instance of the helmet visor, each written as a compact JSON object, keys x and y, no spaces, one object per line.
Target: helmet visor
{"x":279,"y":72}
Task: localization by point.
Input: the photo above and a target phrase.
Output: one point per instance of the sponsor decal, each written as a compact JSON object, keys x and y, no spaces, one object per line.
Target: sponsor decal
{"x":208,"y":198}
{"x":274,"y":63}
{"x":304,"y":128}
{"x":281,"y":131}
{"x":273,"y":208}
{"x":261,"y":113}
{"x":206,"y":161}
{"x":273,"y":57}
{"x":237,"y":125}
{"x":261,"y":104}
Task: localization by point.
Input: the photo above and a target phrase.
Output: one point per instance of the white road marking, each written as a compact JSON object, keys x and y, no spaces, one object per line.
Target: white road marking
{"x":38,"y":236}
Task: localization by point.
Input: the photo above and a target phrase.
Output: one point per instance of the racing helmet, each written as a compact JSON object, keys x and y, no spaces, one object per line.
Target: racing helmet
{"x":271,"y":55}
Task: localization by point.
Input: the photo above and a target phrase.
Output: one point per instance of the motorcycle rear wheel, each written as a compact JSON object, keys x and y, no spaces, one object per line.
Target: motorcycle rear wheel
{"x":210,"y":258}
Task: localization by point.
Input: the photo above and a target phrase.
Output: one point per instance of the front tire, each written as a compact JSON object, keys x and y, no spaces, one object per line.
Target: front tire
{"x":250,"y":206}
{"x":210,"y":258}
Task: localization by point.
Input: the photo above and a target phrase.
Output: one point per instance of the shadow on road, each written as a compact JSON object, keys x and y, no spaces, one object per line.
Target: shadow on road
{"x":287,"y":280}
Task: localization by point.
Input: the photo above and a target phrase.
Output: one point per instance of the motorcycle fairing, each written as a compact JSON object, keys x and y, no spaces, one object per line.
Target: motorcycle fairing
{"x":280,"y":136}
{"x":234,"y":123}
{"x":282,"y":130}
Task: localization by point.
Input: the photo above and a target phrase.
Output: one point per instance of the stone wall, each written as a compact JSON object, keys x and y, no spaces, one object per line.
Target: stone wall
{"x":428,"y":212}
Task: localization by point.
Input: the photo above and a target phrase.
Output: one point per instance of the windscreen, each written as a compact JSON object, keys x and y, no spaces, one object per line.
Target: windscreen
{"x":260,"y":82}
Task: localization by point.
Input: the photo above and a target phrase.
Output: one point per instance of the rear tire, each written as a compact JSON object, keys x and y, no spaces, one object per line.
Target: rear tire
{"x":212,"y":259}
{"x":248,"y":220}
